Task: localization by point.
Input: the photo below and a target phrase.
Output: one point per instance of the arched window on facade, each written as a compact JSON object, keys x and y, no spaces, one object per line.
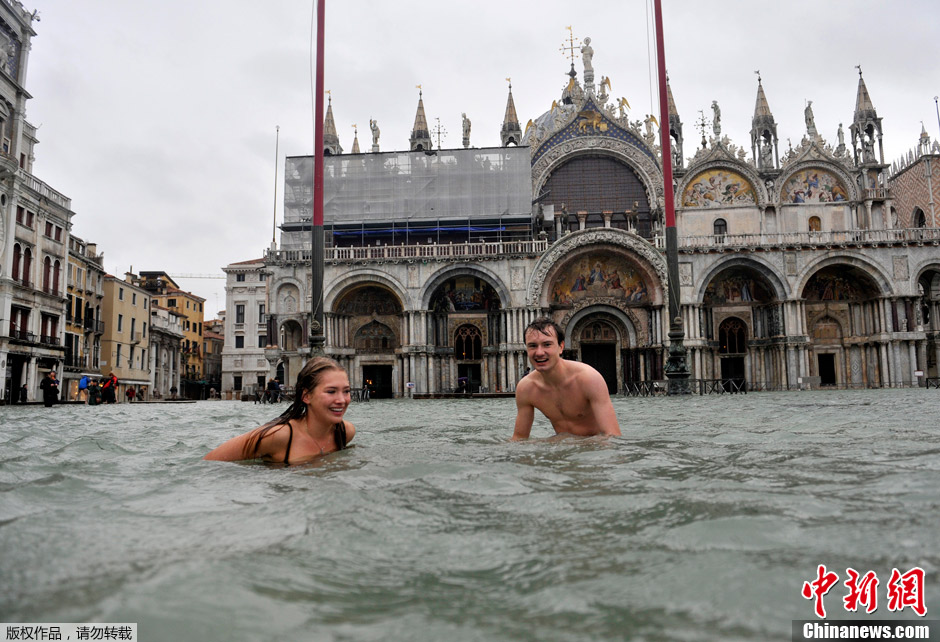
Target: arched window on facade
{"x":46,"y":273}
{"x":721,"y":227}
{"x":468,"y":343}
{"x":732,"y":337}
{"x":56,"y":273}
{"x":17,"y":258}
{"x":920,"y":218}
{"x":27,"y":265}
{"x":815,"y":225}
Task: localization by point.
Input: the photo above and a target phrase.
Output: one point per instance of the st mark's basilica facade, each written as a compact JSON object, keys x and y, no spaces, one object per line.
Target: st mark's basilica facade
{"x":797,"y":267}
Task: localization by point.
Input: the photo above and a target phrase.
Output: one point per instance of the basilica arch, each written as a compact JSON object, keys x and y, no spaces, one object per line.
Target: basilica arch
{"x":741,"y":319}
{"x":465,"y":303}
{"x":611,"y":284}
{"x":846,"y":313}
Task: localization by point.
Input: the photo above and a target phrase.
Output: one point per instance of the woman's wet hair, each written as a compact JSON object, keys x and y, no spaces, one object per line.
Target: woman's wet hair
{"x":307,"y":379}
{"x":542,"y":324}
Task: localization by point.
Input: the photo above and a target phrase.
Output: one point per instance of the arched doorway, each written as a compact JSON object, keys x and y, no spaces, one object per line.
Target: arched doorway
{"x":732,"y":350}
{"x":376,"y":338}
{"x":827,"y":340}
{"x":292,"y":336}
{"x":468,"y":353}
{"x":465,"y":327}
{"x":740,"y":306}
{"x":598,"y":343}
{"x":844,"y":300}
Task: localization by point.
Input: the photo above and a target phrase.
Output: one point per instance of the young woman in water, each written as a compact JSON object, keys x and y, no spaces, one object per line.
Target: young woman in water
{"x":312,"y":426}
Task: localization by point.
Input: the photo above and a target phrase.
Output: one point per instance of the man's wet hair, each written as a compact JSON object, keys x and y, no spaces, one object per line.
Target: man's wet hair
{"x":542,"y":324}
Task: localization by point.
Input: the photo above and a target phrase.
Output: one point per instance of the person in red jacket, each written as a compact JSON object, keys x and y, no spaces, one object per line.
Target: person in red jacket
{"x":109,"y":389}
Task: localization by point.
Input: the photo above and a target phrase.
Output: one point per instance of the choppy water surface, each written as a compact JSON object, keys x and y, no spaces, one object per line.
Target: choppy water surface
{"x":700,"y":523}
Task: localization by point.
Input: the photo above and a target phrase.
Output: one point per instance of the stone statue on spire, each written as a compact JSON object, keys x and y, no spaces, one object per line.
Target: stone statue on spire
{"x":466,"y":130}
{"x":810,"y":120}
{"x":587,"y":56}
{"x":374,"y":126}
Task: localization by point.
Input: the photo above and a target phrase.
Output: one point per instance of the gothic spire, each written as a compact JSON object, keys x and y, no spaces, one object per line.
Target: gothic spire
{"x":355,"y":147}
{"x":420,"y":134}
{"x":866,"y":127}
{"x":764,"y":144}
{"x":331,"y":146}
{"x":511,"y":131}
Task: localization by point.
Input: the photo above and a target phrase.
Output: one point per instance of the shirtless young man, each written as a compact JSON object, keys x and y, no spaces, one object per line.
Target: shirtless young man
{"x":571,"y":394}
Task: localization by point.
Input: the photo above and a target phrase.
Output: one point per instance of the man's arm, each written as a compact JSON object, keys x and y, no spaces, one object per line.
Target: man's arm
{"x":525,"y":414}
{"x":601,"y":405}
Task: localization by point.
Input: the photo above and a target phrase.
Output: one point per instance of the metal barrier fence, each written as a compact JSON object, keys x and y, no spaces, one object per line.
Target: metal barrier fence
{"x":741,"y":386}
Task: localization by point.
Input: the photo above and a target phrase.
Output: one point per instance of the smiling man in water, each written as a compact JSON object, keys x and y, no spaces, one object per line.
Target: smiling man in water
{"x":573,"y":395}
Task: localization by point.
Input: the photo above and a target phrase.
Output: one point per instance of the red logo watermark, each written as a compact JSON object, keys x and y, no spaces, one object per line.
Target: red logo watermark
{"x":903,"y":590}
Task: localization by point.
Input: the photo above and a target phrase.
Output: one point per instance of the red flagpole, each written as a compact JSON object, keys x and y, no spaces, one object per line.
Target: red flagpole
{"x":665,"y":141}
{"x":317,"y":336}
{"x":677,"y":369}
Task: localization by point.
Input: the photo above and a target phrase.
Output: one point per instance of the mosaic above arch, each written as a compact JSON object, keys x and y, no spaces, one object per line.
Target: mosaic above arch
{"x":718,"y":188}
{"x":368,"y":300}
{"x":599,"y":274}
{"x":814,"y":186}
{"x":737,"y":285}
{"x":465,"y":294}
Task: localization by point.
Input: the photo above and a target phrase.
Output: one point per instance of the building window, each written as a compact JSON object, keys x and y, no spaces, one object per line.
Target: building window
{"x":120,"y":327}
{"x":262,"y":340}
{"x":261,"y":318}
{"x":263,"y":276}
{"x":239,"y":342}
{"x":171,"y":303}
{"x":58,"y":233}
{"x":239,"y":313}
{"x":17,"y":253}
{"x":237,"y":383}
{"x":56,"y":274}
{"x":815,"y":224}
{"x":133,"y":298}
{"x":120,"y":294}
{"x":48,"y":229}
{"x":721,"y":227}
{"x":732,"y":337}
{"x":240,"y":277}
{"x":144,"y":330}
{"x":133,"y":327}
{"x":27,"y":265}
{"x":117,"y":362}
{"x":468,"y":343}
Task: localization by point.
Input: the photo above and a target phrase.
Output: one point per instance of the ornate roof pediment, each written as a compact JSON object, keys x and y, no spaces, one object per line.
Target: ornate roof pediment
{"x":569,"y":122}
{"x":719,"y":150}
{"x":814,"y":150}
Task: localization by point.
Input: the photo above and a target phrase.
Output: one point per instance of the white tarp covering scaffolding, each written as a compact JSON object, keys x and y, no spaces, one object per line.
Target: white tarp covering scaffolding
{"x":410,"y":187}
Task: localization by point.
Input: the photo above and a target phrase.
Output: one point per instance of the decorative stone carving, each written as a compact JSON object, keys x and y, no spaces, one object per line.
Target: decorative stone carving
{"x":901,"y":272}
{"x":685,"y":274}
{"x":414,"y":279}
{"x":517,"y":278}
{"x":585,"y":238}
{"x":789,"y":258}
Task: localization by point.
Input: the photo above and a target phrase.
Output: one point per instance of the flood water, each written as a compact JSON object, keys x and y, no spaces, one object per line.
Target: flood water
{"x":701,"y":523}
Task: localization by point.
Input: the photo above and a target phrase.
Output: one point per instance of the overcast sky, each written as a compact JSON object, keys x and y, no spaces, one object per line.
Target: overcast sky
{"x":158,"y":118}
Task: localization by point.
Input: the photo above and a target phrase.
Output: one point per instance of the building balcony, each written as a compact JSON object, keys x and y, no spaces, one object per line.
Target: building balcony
{"x":94,"y":326}
{"x":808,"y":240}
{"x":44,"y":190}
{"x":453,"y":251}
{"x":136,"y":337}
